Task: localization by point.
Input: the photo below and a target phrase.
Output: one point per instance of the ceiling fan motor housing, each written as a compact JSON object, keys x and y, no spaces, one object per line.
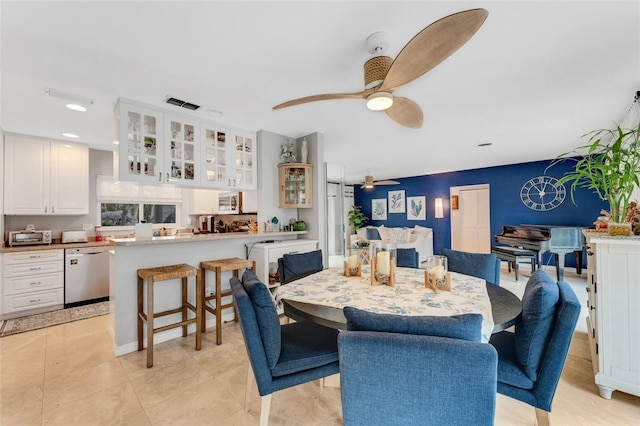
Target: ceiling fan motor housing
{"x":375,"y":70}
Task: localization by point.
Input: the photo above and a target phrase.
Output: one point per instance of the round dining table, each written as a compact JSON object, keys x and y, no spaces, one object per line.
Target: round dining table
{"x":505,"y":308}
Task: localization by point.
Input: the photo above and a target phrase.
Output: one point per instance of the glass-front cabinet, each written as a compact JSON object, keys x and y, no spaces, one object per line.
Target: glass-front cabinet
{"x":141,"y":137}
{"x":156,"y":146}
{"x":229,"y":157}
{"x":182,"y":150}
{"x":295,"y":181}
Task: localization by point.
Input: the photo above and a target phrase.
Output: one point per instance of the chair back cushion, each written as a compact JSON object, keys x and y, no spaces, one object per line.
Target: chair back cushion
{"x":481,"y":265}
{"x":401,"y":379}
{"x":299,"y":265}
{"x":465,"y":327}
{"x":266,"y":315}
{"x":407,"y":257}
{"x":534,"y":326}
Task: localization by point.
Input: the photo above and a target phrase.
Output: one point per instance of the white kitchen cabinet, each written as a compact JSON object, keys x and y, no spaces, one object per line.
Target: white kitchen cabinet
{"x":141,"y":149}
{"x":33,"y":282}
{"x":249,"y":202}
{"x":44,"y":177}
{"x":204,"y":201}
{"x":182,"y":150}
{"x":613,"y":283}
{"x":267,"y":253}
{"x":230,"y":158}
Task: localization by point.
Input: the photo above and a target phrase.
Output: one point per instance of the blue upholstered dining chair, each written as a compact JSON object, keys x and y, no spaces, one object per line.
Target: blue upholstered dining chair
{"x":407,"y":257}
{"x":299,"y":265}
{"x":531,"y":359}
{"x":481,"y":265}
{"x":409,"y":370}
{"x":281,"y":356}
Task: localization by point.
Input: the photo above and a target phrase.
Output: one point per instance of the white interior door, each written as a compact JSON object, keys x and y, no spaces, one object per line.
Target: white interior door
{"x":470,"y":223}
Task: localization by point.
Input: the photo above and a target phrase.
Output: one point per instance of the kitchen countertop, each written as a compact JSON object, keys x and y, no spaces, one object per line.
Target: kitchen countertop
{"x":56,"y":246}
{"x":182,"y":238}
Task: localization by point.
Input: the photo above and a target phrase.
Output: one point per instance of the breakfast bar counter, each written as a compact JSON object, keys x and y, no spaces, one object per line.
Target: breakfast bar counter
{"x":131,"y":254}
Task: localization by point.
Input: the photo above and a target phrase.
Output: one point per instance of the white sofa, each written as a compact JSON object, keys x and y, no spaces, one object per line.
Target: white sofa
{"x":418,"y":237}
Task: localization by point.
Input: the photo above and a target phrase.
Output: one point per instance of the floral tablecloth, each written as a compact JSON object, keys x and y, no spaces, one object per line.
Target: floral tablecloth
{"x":409,"y":296}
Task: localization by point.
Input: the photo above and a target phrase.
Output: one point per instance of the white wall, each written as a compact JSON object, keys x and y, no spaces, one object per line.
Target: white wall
{"x":316,"y":216}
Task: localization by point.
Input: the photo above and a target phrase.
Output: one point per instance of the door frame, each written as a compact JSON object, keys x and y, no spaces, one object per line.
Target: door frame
{"x":455,"y":216}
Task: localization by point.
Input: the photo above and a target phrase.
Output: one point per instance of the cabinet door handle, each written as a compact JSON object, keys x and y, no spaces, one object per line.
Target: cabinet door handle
{"x":35,"y":268}
{"x":35,"y":283}
{"x":45,"y":209}
{"x":228,"y":182}
{"x":234,"y":182}
{"x":159,"y":177}
{"x":53,"y":209}
{"x":34,"y":256}
{"x":167,"y":177}
{"x":34,"y":300}
{"x":589,"y":253}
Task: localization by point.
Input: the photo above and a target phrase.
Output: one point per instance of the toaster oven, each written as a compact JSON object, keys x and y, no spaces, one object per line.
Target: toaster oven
{"x":29,"y":237}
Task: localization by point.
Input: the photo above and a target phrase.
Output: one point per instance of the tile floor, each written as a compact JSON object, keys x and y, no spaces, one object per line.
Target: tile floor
{"x":67,"y":375}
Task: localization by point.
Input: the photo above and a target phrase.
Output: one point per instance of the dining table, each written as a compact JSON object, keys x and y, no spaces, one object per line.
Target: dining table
{"x":320,"y":297}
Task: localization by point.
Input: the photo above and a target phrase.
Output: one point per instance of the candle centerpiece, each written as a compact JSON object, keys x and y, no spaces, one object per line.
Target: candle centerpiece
{"x":351,"y":267}
{"x":437,"y":277}
{"x":383,"y":262}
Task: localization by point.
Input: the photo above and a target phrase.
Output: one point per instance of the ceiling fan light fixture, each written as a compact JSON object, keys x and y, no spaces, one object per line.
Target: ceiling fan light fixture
{"x":379,"y":101}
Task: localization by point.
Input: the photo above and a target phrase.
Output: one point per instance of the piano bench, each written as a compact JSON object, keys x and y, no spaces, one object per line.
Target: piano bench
{"x":513,"y":254}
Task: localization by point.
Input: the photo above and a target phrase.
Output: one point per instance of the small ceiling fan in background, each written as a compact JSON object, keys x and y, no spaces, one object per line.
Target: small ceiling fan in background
{"x":369,"y":183}
{"x":422,"y":53}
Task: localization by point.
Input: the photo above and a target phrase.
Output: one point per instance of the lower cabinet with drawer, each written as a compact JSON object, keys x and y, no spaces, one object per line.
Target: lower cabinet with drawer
{"x":269,"y":253}
{"x":33,"y":282}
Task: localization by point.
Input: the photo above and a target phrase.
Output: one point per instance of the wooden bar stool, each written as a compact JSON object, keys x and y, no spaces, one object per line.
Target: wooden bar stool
{"x":219,"y":266}
{"x":165,"y":273}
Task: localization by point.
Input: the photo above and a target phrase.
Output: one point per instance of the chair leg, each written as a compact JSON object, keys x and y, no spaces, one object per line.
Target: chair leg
{"x":542,"y":417}
{"x":248,"y":388}
{"x":265,"y":406}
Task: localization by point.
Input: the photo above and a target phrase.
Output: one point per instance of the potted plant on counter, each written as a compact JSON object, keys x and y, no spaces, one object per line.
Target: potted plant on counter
{"x":609,"y":165}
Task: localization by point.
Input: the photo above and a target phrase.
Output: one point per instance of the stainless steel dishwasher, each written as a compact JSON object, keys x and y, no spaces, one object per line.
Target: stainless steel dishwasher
{"x":86,"y":275}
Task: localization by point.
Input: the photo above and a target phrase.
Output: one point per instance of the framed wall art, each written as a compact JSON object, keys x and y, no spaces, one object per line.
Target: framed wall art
{"x":416,"y":208}
{"x":379,"y":209}
{"x":396,"y":201}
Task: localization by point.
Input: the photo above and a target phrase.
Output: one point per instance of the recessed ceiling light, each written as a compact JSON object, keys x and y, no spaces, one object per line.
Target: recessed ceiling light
{"x":116,"y":142}
{"x":76,"y":107}
{"x":70,"y":135}
{"x":481,"y":145}
{"x":215,"y":112}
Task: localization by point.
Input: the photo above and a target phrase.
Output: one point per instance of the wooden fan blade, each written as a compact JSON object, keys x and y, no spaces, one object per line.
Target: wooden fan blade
{"x":431,"y":46}
{"x":386,"y":182}
{"x":325,"y":97}
{"x":406,"y":112}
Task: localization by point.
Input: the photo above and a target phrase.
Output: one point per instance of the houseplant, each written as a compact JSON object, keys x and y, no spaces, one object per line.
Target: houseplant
{"x":356,"y":218}
{"x":609,"y":165}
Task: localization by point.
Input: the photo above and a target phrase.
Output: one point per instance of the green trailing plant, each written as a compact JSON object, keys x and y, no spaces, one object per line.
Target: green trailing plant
{"x":356,"y":218}
{"x":608,"y":165}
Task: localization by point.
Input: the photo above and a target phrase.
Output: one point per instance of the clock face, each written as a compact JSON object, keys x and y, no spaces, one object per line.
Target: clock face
{"x":542,"y":193}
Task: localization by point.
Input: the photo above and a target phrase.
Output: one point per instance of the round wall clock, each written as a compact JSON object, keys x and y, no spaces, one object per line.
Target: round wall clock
{"x":542,"y":193}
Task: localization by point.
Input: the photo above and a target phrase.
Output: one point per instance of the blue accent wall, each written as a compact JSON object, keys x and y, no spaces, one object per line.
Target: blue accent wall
{"x":506,"y":208}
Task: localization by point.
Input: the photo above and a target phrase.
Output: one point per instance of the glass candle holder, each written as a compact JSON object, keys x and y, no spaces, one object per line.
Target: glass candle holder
{"x":438,"y":271}
{"x":382,"y":256}
{"x":352,"y":268}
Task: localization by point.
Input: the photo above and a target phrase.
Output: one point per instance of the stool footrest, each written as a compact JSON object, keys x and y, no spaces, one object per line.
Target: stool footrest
{"x":178,"y":324}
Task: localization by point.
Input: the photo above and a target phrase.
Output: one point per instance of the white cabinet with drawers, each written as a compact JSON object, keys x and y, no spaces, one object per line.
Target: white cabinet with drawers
{"x":613,"y":285}
{"x":33,"y":282}
{"x":266,"y":253}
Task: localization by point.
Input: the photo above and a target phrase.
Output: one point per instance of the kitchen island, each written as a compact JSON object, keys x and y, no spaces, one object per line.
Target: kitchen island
{"x":131,"y":254}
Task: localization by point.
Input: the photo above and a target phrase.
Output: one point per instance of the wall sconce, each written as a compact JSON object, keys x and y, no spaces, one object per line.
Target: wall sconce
{"x":439,"y":208}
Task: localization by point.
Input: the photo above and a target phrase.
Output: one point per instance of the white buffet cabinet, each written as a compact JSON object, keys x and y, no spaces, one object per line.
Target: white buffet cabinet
{"x":613,"y":323}
{"x":266,"y":253}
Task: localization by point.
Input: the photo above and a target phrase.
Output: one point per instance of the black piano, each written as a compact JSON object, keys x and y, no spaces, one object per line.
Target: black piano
{"x":558,"y":240}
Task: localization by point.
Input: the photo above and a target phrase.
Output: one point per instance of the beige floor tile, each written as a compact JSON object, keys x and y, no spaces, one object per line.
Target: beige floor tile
{"x":222,"y":358}
{"x":19,"y":403}
{"x":162,"y":383}
{"x":113,"y":405}
{"x":31,"y":340}
{"x":77,"y":384}
{"x":235,"y":380}
{"x":164,"y":355}
{"x":204,"y":403}
{"x":86,"y":354}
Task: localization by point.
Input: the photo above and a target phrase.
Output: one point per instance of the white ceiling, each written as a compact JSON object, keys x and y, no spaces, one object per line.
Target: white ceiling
{"x":535,"y":77}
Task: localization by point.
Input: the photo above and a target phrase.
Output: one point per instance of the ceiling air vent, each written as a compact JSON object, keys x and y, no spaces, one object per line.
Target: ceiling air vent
{"x":181,"y":103}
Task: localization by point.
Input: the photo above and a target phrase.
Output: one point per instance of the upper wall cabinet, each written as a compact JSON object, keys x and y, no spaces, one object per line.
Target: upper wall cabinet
{"x":157,"y":146}
{"x":295,"y":185}
{"x":45,"y":177}
{"x":229,"y":158}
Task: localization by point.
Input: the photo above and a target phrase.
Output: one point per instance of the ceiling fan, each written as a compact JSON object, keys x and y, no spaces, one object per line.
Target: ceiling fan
{"x":369,"y":183}
{"x":422,"y":53}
